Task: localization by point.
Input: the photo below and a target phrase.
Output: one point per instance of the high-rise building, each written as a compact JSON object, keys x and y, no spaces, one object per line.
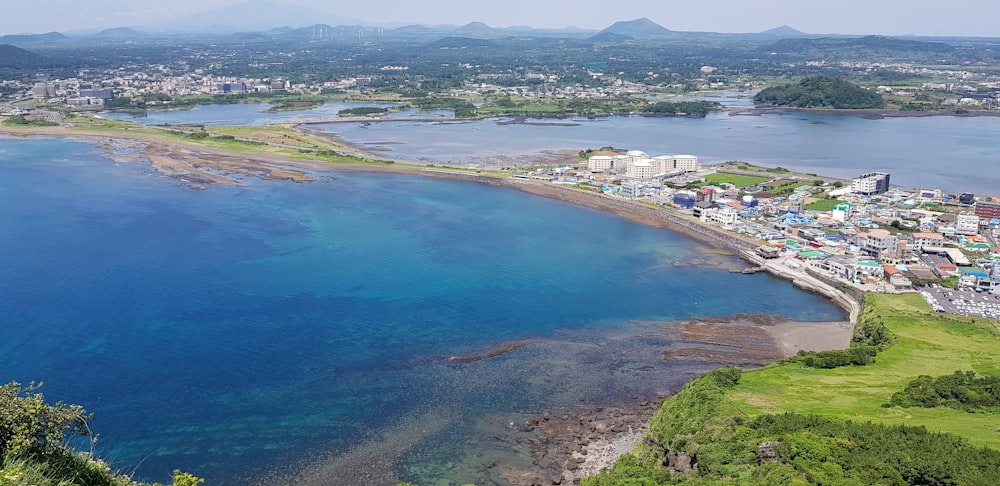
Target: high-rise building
{"x":871,"y":184}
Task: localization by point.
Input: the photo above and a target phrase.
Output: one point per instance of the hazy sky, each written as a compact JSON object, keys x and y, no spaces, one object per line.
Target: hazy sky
{"x":890,"y":17}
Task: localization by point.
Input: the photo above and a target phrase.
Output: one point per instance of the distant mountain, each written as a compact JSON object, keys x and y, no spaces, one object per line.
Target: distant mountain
{"x":414,"y":29}
{"x":874,"y":45}
{"x":477,"y":29}
{"x":120,"y":33}
{"x":17,"y":58}
{"x":637,"y":29}
{"x":29,"y":38}
{"x":253,"y":15}
{"x":784,"y":31}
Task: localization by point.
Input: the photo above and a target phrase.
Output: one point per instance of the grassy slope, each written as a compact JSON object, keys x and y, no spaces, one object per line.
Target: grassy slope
{"x":737,"y":180}
{"x":929,"y":344}
{"x":722,"y":425}
{"x":266,"y":139}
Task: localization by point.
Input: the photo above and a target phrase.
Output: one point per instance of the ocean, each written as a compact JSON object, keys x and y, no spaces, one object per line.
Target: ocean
{"x":239,"y":332}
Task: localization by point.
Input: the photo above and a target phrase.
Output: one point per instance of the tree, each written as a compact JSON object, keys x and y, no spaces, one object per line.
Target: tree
{"x":29,"y":427}
{"x":182,"y":478}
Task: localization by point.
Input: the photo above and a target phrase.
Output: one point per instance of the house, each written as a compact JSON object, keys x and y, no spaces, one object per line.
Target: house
{"x":920,"y":240}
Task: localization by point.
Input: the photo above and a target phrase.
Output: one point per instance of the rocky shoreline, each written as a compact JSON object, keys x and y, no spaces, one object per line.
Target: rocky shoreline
{"x":565,"y":447}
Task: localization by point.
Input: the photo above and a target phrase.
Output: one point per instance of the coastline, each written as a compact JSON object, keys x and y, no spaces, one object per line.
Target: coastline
{"x":605,"y":437}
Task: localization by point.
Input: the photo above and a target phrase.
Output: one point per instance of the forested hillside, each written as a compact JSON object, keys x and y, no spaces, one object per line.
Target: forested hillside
{"x":821,"y":92}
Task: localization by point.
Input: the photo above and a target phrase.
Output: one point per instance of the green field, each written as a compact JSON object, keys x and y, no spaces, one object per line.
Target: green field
{"x":736,"y":180}
{"x":929,"y":344}
{"x":833,"y":426}
{"x":823,"y":204}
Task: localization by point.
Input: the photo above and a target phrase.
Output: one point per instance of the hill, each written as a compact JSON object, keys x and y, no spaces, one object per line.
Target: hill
{"x":637,"y":29}
{"x":120,"y":33}
{"x":475,"y":29}
{"x":820,"y":92}
{"x":17,"y":58}
{"x":32,"y":38}
{"x":789,"y":423}
{"x":873,"y":45}
{"x":784,"y":31}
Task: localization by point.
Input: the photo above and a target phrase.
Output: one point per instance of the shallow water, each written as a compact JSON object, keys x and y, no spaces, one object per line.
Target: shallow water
{"x":235,"y":331}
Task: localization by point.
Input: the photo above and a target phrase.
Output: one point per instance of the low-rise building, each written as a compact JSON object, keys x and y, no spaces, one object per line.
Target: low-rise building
{"x":920,"y":240}
{"x":967,"y":224}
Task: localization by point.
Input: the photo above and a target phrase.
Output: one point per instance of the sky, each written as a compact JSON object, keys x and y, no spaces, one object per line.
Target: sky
{"x":887,"y":17}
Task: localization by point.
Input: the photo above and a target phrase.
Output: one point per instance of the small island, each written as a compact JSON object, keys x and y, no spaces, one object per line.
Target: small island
{"x":823,"y":92}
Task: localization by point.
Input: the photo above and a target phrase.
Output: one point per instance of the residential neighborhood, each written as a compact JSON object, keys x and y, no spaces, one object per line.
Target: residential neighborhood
{"x":863,"y":232}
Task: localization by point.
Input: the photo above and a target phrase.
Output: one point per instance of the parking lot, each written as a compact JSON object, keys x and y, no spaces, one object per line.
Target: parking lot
{"x":966,"y":303}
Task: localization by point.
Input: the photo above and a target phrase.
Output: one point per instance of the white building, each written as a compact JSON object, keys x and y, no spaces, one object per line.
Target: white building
{"x":870,"y":184}
{"x":600,"y":162}
{"x":632,"y":189}
{"x":920,"y":240}
{"x":967,"y":224}
{"x":726,"y":216}
{"x":842,"y":212}
{"x":665,"y":164}
{"x":641,"y":169}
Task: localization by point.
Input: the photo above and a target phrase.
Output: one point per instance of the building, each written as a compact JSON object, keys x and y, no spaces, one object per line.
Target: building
{"x":684,"y":199}
{"x":641,"y":169}
{"x":967,"y":198}
{"x":600,"y":162}
{"x":878,"y":242}
{"x":725,"y":216}
{"x":631,"y":189}
{"x":920,"y":240}
{"x":842,"y":212}
{"x":666,"y":164}
{"x":871,"y":184}
{"x":618,"y":163}
{"x":44,"y":90}
{"x":100,"y":94}
{"x":967,"y":224}
{"x":988,"y":208}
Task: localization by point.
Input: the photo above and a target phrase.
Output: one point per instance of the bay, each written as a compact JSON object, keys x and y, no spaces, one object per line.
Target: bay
{"x":238,"y":331}
{"x":952,"y":153}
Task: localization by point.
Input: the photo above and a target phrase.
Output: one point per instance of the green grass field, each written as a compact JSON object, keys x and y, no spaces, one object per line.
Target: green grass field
{"x":736,"y":180}
{"x":929,"y":344}
{"x":823,"y":204}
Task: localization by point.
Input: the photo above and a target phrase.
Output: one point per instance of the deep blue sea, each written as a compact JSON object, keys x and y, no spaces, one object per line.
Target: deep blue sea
{"x":234,"y":331}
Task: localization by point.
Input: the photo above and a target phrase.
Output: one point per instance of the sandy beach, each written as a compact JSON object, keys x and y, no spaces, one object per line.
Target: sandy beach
{"x":564,"y":448}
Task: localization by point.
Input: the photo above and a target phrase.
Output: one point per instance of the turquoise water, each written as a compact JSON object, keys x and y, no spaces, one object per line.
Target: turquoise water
{"x":233,"y":331}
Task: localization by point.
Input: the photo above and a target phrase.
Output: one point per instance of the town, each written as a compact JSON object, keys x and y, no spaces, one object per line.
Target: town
{"x":864,"y":233}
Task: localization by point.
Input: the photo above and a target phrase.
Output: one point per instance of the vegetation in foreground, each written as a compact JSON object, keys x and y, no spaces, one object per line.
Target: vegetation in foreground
{"x":789,"y":423}
{"x":34,"y":450}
